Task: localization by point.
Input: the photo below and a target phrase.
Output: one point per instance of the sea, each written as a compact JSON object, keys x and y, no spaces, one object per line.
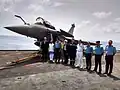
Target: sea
{"x":27,"y":43}
{"x":17,"y":43}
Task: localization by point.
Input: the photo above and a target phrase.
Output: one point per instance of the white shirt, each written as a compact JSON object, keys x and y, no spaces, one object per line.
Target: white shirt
{"x":80,"y":48}
{"x":51,"y":47}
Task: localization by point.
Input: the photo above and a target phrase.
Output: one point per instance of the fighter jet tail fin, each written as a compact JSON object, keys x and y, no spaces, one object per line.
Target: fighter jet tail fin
{"x":71,"y":31}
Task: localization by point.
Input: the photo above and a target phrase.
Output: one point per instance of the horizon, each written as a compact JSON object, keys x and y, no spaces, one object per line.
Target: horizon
{"x":23,"y":36}
{"x":13,"y":42}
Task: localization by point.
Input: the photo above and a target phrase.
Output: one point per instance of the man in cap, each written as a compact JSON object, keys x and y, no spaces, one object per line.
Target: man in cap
{"x":88,"y":55}
{"x":110,"y":52}
{"x":98,"y":54}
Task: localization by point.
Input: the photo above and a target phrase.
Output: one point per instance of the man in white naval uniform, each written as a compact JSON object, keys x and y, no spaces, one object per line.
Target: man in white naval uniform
{"x":79,"y":55}
{"x":51,"y":51}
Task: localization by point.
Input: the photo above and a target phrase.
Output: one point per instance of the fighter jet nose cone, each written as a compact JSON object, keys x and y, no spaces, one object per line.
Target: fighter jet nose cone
{"x":6,"y":27}
{"x":9,"y":28}
{"x":14,"y":28}
{"x":18,"y":29}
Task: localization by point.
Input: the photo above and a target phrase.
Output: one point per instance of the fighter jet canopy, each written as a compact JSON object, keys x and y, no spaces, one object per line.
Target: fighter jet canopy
{"x":41,"y":21}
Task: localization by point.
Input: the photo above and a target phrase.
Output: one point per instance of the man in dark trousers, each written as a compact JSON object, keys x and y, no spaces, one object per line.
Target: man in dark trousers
{"x":72,"y":52}
{"x":88,"y":55}
{"x":98,"y":55}
{"x":110,"y":52}
{"x":44,"y":47}
{"x":65,"y":50}
{"x":57,"y":51}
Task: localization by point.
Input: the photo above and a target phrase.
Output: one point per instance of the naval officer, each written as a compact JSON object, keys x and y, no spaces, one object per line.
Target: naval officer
{"x":110,"y":52}
{"x":88,"y":55}
{"x":79,"y":55}
{"x":98,"y":54}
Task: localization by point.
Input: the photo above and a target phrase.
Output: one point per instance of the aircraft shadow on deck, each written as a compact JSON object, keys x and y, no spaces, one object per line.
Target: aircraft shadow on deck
{"x":102,"y":75}
{"x":30,"y":61}
{"x":114,"y":77}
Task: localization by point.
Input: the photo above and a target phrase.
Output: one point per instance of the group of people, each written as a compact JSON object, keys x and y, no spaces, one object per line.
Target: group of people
{"x":62,"y":51}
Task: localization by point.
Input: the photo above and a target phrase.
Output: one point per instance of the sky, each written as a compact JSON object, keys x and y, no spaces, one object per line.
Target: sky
{"x":94,"y":19}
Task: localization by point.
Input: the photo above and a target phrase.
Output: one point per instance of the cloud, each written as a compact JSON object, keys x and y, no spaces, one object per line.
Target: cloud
{"x":95,"y":28}
{"x":117,"y":19}
{"x":43,"y":5}
{"x":86,"y":22}
{"x":8,"y":5}
{"x":92,"y":31}
{"x":57,"y":4}
{"x":35,"y":7}
{"x":13,"y":6}
{"x":112,"y":28}
{"x":102,"y":15}
{"x":83,"y":23}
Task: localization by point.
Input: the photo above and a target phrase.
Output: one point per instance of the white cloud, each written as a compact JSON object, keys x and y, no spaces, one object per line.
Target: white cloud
{"x":86,"y":22}
{"x":83,"y":23}
{"x":96,"y":31}
{"x":117,"y":19}
{"x":8,"y":5}
{"x":35,"y":7}
{"x":51,"y":3}
{"x":102,"y":15}
{"x":95,"y":28}
{"x":57,"y":4}
{"x":42,"y":5}
{"x":112,"y":28}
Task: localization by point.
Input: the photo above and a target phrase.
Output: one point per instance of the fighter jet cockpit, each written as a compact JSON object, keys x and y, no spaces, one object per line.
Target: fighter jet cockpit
{"x":41,"y":21}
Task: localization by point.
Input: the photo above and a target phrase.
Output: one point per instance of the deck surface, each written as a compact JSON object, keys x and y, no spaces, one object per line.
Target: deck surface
{"x":36,"y":75}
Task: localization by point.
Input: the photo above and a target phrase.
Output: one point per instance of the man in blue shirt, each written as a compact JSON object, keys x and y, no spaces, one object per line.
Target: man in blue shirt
{"x":110,"y":52}
{"x":98,"y":54}
{"x":88,"y":55}
{"x":57,"y":51}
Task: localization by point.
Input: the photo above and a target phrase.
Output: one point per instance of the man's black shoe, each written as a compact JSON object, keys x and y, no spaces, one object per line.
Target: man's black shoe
{"x":105,"y":73}
{"x":58,"y":62}
{"x":99,"y":72}
{"x":109,"y":74}
{"x":88,"y":70}
{"x":95,"y":70}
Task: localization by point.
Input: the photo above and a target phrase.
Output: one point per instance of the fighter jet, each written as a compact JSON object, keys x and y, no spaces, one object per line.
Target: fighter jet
{"x":41,"y":29}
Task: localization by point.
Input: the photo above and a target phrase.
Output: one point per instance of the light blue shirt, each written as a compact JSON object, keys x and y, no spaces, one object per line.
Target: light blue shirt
{"x":99,"y":50}
{"x":57,"y":45}
{"x":89,"y":50}
{"x":110,"y":50}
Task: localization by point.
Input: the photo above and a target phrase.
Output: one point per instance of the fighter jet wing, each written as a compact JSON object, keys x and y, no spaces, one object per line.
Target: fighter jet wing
{"x":91,"y":43}
{"x":65,"y":33}
{"x":84,"y":42}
